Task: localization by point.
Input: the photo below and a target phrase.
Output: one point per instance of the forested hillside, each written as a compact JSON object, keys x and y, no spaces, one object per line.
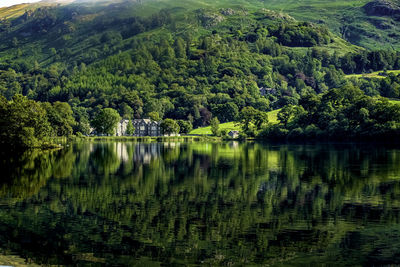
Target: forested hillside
{"x":185,"y":60}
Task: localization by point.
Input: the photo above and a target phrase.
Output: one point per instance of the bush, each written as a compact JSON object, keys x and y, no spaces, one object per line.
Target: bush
{"x":296,"y":133}
{"x":312,"y":131}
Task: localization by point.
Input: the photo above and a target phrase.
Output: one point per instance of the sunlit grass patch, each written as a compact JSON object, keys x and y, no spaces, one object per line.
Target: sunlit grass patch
{"x":234,"y":126}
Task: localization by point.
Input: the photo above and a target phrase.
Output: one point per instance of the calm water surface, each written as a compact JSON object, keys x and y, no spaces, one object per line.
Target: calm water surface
{"x":201,"y":203}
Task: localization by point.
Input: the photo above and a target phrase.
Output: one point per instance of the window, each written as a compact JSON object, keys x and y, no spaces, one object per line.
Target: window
{"x":142,"y":128}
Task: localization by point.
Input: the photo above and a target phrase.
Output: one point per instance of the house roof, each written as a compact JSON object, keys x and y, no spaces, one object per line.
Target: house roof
{"x":136,"y":121}
{"x":146,"y":121}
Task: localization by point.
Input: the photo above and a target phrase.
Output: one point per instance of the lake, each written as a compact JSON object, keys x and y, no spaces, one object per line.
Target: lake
{"x":150,"y":204}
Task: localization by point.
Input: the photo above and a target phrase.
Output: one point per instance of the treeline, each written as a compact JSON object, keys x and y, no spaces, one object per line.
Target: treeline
{"x":388,"y":85}
{"x":345,"y":113}
{"x":27,"y":123}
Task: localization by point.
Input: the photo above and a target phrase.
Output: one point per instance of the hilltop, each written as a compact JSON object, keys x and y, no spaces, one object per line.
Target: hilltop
{"x":365,"y":23}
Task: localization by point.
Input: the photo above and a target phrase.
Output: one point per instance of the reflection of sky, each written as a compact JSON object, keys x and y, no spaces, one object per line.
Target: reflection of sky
{"x":4,"y":3}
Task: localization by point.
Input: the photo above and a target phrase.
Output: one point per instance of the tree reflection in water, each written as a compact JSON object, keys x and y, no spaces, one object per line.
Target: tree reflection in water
{"x":219,"y":204}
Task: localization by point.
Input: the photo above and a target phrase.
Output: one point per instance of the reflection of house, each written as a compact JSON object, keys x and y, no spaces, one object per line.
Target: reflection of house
{"x":146,"y":152}
{"x":234,"y":145}
{"x":234,"y":134}
{"x":143,"y":127}
{"x":122,"y":151}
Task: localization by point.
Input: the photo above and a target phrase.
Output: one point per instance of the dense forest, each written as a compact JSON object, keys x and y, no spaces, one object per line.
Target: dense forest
{"x":187,"y":65}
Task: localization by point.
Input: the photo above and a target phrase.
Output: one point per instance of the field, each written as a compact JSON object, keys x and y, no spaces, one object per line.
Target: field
{"x":373,"y":75}
{"x":234,"y":126}
{"x":229,"y":126}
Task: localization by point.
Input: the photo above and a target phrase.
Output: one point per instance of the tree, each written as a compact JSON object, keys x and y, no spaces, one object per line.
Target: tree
{"x":106,"y":121}
{"x":61,"y":118}
{"x":169,"y":126}
{"x":130,"y":130}
{"x":215,"y":126}
{"x":15,"y":42}
{"x":180,"y":50}
{"x":205,"y":117}
{"x":82,"y":120}
{"x":260,"y":118}
{"x":154,"y":116}
{"x":247,"y":116}
{"x":226,"y":112}
{"x":285,"y":114}
{"x":23,"y":123}
{"x":185,"y":126}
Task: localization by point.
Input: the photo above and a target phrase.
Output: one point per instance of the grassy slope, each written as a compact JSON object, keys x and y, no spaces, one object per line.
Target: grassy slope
{"x":362,"y":30}
{"x":373,"y":74}
{"x":84,"y":39}
{"x":229,"y":126}
{"x":13,"y":260}
{"x":393,"y":101}
{"x":16,"y":11}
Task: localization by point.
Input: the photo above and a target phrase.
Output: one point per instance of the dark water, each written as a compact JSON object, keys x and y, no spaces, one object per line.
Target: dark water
{"x":202,"y":203}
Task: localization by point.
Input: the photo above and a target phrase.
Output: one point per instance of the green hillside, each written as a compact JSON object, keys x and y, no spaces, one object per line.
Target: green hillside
{"x":187,"y":60}
{"x":355,"y":21}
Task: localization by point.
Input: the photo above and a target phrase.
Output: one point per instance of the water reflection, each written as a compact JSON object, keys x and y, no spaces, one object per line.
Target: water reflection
{"x":219,"y":204}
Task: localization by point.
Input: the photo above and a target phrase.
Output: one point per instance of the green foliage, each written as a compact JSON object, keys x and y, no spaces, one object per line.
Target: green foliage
{"x":252,"y":120}
{"x":106,"y":121}
{"x":154,"y":116}
{"x":301,"y":34}
{"x":185,"y":127}
{"x":82,"y":120}
{"x":287,"y":113}
{"x":169,"y":126}
{"x":340,"y":114}
{"x":23,"y":123}
{"x":130,"y":130}
{"x":215,"y":126}
{"x":226,"y":112}
{"x":61,"y":118}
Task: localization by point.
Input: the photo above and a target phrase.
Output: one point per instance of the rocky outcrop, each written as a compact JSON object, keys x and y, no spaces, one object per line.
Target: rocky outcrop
{"x":383,"y":8}
{"x":209,"y":19}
